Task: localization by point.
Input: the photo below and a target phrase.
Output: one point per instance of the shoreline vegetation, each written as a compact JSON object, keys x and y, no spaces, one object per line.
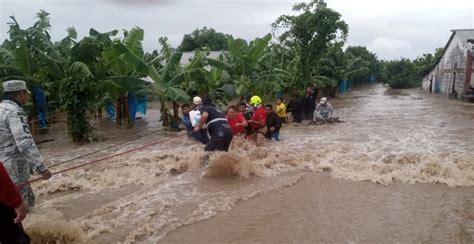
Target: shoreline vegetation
{"x":84,"y":76}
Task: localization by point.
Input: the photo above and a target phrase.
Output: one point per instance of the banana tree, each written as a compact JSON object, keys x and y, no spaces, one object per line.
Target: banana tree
{"x":167,"y":79}
{"x":197,"y":77}
{"x":245,"y":65}
{"x":30,"y":55}
{"x":124,"y":74}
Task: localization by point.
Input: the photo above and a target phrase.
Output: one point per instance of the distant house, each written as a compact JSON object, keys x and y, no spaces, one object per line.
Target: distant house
{"x":452,"y":74}
{"x":187,"y":56}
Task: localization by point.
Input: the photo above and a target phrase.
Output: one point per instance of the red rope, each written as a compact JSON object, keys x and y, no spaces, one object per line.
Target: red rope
{"x":25,"y":183}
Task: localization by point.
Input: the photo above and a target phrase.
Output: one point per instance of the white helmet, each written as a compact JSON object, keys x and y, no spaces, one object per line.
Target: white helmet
{"x":197,"y":100}
{"x":324,"y":100}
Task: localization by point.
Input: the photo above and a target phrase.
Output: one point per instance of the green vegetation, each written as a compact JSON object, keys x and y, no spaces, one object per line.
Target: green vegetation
{"x":85,"y":75}
{"x":405,"y":73}
{"x":204,"y":38}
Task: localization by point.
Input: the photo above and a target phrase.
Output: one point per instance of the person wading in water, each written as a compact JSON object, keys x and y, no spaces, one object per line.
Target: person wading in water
{"x":217,"y":125}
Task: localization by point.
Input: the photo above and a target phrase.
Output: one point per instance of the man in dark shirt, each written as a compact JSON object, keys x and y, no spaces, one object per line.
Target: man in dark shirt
{"x":273,"y":123}
{"x":217,"y":125}
{"x":295,"y":108}
{"x":308,"y":104}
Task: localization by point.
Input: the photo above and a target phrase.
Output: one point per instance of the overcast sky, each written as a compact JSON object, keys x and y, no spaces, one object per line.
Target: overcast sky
{"x":391,"y":29}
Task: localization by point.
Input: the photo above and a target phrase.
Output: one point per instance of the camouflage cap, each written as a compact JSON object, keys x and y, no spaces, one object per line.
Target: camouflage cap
{"x":15,"y":85}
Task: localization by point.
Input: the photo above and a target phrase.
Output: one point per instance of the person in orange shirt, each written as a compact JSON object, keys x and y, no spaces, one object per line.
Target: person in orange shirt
{"x":236,"y":120}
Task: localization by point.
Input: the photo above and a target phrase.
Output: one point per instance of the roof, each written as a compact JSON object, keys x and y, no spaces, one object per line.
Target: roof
{"x":189,"y":55}
{"x":464,"y":34}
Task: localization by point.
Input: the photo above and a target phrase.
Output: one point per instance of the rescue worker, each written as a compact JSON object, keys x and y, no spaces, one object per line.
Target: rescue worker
{"x":18,"y":151}
{"x":259,"y":120}
{"x":324,"y":111}
{"x":217,"y":125}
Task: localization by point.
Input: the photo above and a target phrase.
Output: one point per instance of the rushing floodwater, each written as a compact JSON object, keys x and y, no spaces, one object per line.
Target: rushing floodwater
{"x":341,"y":183}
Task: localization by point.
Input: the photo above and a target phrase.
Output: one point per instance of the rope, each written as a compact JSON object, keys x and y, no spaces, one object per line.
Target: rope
{"x":100,"y":150}
{"x":25,"y":183}
{"x":47,"y":117}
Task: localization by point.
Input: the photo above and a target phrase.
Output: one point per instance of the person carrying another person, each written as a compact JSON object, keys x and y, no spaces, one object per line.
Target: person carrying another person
{"x":324,"y":111}
{"x":273,"y":123}
{"x":281,"y":110}
{"x":258,"y":120}
{"x":201,"y":135}
{"x":19,"y":153}
{"x":12,"y":211}
{"x":236,"y":120}
{"x":217,"y":125}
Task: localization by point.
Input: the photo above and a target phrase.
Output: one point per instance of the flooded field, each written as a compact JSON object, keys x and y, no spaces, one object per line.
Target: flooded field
{"x":399,"y":170}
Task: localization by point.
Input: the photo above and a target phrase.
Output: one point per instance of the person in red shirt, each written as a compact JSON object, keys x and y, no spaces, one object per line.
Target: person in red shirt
{"x":236,"y":121}
{"x":259,"y":120}
{"x":12,"y":211}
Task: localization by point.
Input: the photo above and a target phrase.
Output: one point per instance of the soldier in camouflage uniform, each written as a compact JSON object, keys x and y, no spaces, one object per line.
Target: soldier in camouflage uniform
{"x":18,"y":151}
{"x":324,"y":111}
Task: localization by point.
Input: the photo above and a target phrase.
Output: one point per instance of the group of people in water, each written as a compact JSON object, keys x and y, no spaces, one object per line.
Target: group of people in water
{"x":249,"y":118}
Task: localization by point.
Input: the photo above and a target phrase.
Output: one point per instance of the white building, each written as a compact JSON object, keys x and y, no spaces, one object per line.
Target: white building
{"x":452,"y":74}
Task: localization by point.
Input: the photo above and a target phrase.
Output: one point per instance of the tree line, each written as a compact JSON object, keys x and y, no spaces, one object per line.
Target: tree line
{"x":84,"y":75}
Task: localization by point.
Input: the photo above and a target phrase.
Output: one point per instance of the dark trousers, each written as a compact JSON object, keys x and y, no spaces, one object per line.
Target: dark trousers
{"x":220,"y":139}
{"x":11,"y":233}
{"x":201,"y":136}
{"x":308,"y":116}
{"x":297,"y":117}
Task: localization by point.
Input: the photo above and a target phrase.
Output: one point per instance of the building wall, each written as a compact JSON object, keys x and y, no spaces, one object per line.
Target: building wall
{"x":450,"y":69}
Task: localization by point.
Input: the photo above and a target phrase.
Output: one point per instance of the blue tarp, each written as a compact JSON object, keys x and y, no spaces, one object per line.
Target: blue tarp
{"x":110,"y":109}
{"x":40,"y":104}
{"x":136,"y":104}
{"x":132,"y":104}
{"x":342,"y":86}
{"x":142,"y":104}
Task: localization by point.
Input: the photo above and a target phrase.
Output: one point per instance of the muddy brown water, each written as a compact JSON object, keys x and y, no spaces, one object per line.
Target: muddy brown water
{"x":399,"y":170}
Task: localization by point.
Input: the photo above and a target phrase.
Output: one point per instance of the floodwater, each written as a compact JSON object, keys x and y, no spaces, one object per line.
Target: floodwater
{"x":399,"y":170}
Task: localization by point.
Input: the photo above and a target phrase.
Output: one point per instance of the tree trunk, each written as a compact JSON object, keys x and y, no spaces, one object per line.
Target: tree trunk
{"x":164,"y":113}
{"x":176,"y":110}
{"x":99,"y":113}
{"x":127,"y":112}
{"x":118,"y":112}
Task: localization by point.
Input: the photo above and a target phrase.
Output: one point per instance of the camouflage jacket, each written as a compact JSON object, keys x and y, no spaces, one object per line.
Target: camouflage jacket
{"x":324,"y":109}
{"x":18,"y":151}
